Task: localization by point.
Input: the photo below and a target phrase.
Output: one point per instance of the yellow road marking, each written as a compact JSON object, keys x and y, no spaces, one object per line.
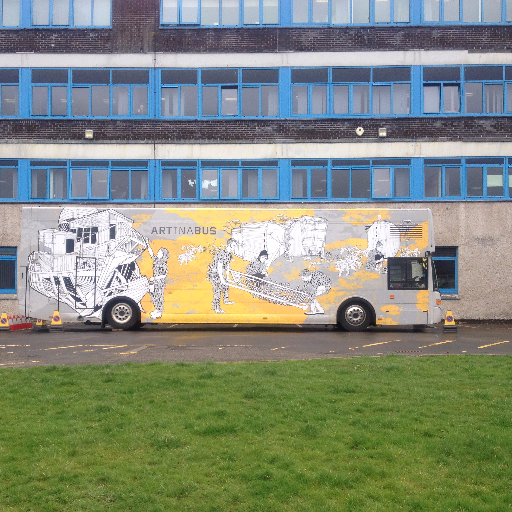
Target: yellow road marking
{"x":434,"y":344}
{"x":277,"y":348}
{"x":492,"y":344}
{"x":70,"y":346}
{"x":117,"y":346}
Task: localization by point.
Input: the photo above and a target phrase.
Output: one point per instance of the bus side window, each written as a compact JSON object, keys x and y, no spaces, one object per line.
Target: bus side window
{"x":112,"y":232}
{"x":407,"y":274}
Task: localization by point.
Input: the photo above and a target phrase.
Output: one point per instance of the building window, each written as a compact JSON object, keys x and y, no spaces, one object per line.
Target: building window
{"x":260,"y":92}
{"x":10,"y":13}
{"x":445,"y":263}
{"x":484,"y":180}
{"x":179,"y":93}
{"x":8,"y":269}
{"x":90,"y":93}
{"x":179,"y":182}
{"x":466,"y":11}
{"x":48,"y":181}
{"x":220,"y":12}
{"x":74,"y":13}
{"x":49,"y":92}
{"x":8,"y":180}
{"x":219,"y":92}
{"x":9,"y":92}
{"x":481,"y":94}
{"x":441,"y":90}
{"x":309,"y":91}
{"x":442,"y":178}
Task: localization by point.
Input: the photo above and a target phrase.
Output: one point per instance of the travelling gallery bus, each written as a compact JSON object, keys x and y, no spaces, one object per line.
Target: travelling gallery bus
{"x":124,"y":266}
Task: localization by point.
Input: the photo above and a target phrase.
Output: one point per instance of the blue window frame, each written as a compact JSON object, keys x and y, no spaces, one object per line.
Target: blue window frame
{"x":179,"y":180}
{"x":49,"y":180}
{"x":9,"y":92}
{"x":8,"y":269}
{"x":441,"y":90}
{"x":10,"y":14}
{"x":467,"y":11}
{"x":484,"y":89}
{"x":179,"y":93}
{"x":219,"y":12}
{"x":71,"y":13}
{"x":445,"y":263}
{"x":8,"y":179}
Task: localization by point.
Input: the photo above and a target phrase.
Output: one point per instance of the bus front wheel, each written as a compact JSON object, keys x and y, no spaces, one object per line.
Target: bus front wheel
{"x":355,"y":317}
{"x":123,"y":314}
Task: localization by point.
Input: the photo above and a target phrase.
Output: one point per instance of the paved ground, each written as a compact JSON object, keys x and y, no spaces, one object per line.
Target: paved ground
{"x":171,"y":343}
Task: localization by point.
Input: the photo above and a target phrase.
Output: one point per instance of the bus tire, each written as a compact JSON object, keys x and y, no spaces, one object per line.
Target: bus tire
{"x":355,"y":317}
{"x":123,"y":313}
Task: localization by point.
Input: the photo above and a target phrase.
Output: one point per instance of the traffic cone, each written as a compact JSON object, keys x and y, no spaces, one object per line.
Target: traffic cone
{"x":56,"y":324}
{"x":449,"y":323}
{"x":4,"y":322}
{"x":41,"y":325}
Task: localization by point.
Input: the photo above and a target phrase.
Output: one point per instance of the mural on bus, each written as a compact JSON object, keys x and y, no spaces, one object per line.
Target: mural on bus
{"x":93,"y":255}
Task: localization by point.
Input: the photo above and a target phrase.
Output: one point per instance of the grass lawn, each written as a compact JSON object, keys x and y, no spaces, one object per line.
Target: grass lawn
{"x":386,"y":434}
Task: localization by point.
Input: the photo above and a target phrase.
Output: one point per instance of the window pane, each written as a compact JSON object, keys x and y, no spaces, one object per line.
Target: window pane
{"x":210,"y":102}
{"x":402,"y":187}
{"x":8,"y":183}
{"x":361,"y":11}
{"x":318,"y":182}
{"x":269,"y":100}
{"x":39,"y":101}
{"x":82,"y":13}
{"x":188,"y":184}
{"x":270,"y":11}
{"x":509,"y":95}
{"x":170,"y":101}
{"x":340,"y":183}
{"x":100,"y":100}
{"x":401,"y":99}
{"x":229,"y":182}
{"x":320,"y":11}
{"x":509,"y":10}
{"x":11,"y":13}
{"x":80,"y":101}
{"x":341,"y":11}
{"x":268,"y":183}
{"x":61,"y":12}
{"x":340,"y":99}
{"x":230,"y":12}
{"x":169,"y":11}
{"x":361,"y":99}
{"x":250,"y":183}
{"x":9,"y":100}
{"x":189,"y":11}
{"x":382,"y":11}
{"x":121,"y":104}
{"x":209,"y":12}
{"x":433,"y":182}
{"x":451,"y":98}
{"x":101,"y":13}
{"x":361,"y":183}
{"x":38,"y":189}
{"x":475,"y":181}
{"x":251,"y":12}
{"x":402,"y":11}
{"x":119,"y":184}
{"x":189,"y":100}
{"x":79,"y":182}
{"x":431,"y":10}
{"x":139,"y":184}
{"x":300,"y":99}
{"x":59,"y":101}
{"x":140,"y":101}
{"x":474,"y":98}
{"x":451,"y":10}
{"x":319,"y":99}
{"x":169,"y":183}
{"x":300,"y":11}
{"x":229,"y":101}
{"x":494,"y":181}
{"x":210,"y":183}
{"x":471,"y":11}
{"x":8,"y":274}
{"x":299,"y":183}
{"x":452,"y":181}
{"x":431,"y":99}
{"x":99,"y":182}
{"x":382,"y":99}
{"x":381,"y":183}
{"x":58,"y":183}
{"x":492,"y":11}
{"x":494,"y":98}
{"x":41,"y":12}
{"x":445,"y":271}
{"x":250,"y":101}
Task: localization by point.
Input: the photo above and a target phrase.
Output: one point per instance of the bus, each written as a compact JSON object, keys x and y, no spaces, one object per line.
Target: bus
{"x":127,"y":266}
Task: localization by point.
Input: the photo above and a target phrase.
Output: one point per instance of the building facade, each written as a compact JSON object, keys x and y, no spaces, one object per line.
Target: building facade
{"x":266,"y":104}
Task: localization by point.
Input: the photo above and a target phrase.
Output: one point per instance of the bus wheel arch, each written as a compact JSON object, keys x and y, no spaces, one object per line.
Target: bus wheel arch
{"x":355,"y":314}
{"x":122,"y":313}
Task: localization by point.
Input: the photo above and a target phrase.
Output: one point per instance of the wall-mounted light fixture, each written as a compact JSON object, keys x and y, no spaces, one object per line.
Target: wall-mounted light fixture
{"x":359,"y":131}
{"x":89,"y":134}
{"x":383,"y":132}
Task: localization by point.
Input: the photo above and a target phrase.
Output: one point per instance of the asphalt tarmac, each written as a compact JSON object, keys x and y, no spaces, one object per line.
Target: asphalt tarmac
{"x":80,"y":344}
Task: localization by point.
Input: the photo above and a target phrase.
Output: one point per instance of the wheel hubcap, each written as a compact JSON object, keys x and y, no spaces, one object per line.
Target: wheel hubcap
{"x":122,"y":313}
{"x":355,"y":315}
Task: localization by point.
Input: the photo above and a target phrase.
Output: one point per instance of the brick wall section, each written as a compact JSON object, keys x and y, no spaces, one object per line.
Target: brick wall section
{"x":259,"y":131}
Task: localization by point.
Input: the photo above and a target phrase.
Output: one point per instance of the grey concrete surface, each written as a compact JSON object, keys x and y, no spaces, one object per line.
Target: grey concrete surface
{"x":80,"y":345}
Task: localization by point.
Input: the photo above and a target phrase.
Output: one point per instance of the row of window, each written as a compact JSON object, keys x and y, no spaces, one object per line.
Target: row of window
{"x":256,"y":93}
{"x":213,"y":13}
{"x":445,"y":259}
{"x":256,"y":180}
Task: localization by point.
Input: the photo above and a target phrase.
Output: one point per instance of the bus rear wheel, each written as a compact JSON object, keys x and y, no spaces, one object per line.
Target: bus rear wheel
{"x":355,"y":317}
{"x":123,"y":314}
